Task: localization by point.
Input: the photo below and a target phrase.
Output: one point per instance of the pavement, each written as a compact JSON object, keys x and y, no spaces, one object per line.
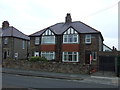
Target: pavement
{"x":94,"y":78}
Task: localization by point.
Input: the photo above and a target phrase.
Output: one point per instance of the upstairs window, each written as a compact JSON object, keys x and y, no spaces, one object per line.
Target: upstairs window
{"x":70,"y":36}
{"x":5,"y":40}
{"x":48,"y":37}
{"x":88,"y":38}
{"x":37,"y":40}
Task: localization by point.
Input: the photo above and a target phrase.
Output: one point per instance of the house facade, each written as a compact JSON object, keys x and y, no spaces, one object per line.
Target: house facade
{"x":67,"y":42}
{"x":14,"y":43}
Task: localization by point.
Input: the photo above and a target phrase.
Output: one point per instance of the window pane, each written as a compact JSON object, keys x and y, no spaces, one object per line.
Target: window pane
{"x":36,"y":40}
{"x":6,"y":41}
{"x":65,"y":57}
{"x":69,"y":57}
{"x":88,"y":38}
{"x":70,"y":38}
{"x":23,"y":44}
{"x":74,"y":57}
{"x":75,"y":38}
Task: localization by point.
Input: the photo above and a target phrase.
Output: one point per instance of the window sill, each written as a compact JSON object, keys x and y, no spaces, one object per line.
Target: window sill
{"x":48,"y":43}
{"x":70,"y":43}
{"x":88,"y":43}
{"x":37,"y":44}
{"x":71,"y":61}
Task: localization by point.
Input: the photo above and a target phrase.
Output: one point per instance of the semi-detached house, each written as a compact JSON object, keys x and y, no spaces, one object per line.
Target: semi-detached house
{"x":67,"y":42}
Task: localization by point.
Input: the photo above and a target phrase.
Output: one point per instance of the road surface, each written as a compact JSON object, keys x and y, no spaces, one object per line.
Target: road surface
{"x":18,"y":81}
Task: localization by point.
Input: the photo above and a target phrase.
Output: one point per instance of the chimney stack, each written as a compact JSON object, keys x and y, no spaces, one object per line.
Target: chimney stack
{"x":5,"y":24}
{"x":68,"y":18}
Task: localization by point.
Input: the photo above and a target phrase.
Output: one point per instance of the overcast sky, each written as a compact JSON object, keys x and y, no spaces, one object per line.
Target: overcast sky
{"x":30,"y":16}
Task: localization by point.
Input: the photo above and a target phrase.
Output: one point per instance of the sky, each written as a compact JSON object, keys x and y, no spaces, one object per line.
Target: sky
{"x":30,"y":16}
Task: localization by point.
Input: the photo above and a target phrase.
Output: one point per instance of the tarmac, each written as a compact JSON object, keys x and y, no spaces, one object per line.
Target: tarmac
{"x":105,"y":78}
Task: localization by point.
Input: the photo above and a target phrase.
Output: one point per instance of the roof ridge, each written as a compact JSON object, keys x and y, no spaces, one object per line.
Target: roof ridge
{"x":46,"y":28}
{"x":37,"y":32}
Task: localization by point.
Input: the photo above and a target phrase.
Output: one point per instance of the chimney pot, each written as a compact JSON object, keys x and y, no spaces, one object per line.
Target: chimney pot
{"x":68,"y":18}
{"x":5,"y":24}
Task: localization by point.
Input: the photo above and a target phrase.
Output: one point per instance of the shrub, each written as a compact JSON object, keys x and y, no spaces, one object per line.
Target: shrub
{"x":35,"y":59}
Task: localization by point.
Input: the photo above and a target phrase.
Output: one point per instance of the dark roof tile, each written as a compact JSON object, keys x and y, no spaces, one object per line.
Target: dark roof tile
{"x":11,"y":31}
{"x":59,"y":28}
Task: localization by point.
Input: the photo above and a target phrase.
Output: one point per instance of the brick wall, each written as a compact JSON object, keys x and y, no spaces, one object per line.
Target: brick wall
{"x":48,"y":47}
{"x":70,"y":47}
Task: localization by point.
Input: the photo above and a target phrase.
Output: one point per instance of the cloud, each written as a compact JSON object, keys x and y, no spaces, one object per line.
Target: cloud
{"x":32,"y":15}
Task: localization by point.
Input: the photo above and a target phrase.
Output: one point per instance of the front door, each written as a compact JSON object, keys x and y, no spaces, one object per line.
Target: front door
{"x":87,"y":57}
{"x":5,"y":55}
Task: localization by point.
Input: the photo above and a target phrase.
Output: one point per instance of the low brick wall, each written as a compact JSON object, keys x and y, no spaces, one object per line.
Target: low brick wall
{"x":48,"y":66}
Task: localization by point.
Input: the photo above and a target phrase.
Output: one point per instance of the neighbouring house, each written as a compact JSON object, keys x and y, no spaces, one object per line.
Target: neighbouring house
{"x":67,"y":42}
{"x":14,"y":43}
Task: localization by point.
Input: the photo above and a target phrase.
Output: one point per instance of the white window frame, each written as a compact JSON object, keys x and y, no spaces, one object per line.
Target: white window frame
{"x":88,"y":38}
{"x":36,"y":54}
{"x":16,"y":55}
{"x":37,"y":40}
{"x":6,"y":40}
{"x":23,"y":44}
{"x":49,"y":54}
{"x":44,"y":38}
{"x":70,"y":35}
{"x":72,"y":53}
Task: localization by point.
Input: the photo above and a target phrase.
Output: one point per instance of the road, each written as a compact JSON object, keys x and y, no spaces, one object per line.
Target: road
{"x":17,"y":81}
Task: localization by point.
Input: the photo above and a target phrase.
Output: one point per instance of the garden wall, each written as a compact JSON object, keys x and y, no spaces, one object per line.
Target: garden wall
{"x":76,"y":68}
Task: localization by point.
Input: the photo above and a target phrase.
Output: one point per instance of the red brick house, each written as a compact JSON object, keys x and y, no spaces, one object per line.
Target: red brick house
{"x":67,"y":42}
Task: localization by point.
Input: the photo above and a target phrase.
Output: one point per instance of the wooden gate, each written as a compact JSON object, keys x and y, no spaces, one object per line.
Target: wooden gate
{"x":107,"y":63}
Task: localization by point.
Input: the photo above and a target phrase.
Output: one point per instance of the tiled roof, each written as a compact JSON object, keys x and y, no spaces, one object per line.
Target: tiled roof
{"x":11,"y":31}
{"x":59,"y":28}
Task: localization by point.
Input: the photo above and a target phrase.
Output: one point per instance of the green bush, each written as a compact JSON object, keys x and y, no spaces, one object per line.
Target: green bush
{"x":36,"y":59}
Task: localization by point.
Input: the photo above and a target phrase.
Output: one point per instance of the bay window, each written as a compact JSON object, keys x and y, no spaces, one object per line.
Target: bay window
{"x":48,"y":37}
{"x":48,"y":55}
{"x":70,"y":57}
{"x":48,"y":40}
{"x":70,"y":36}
